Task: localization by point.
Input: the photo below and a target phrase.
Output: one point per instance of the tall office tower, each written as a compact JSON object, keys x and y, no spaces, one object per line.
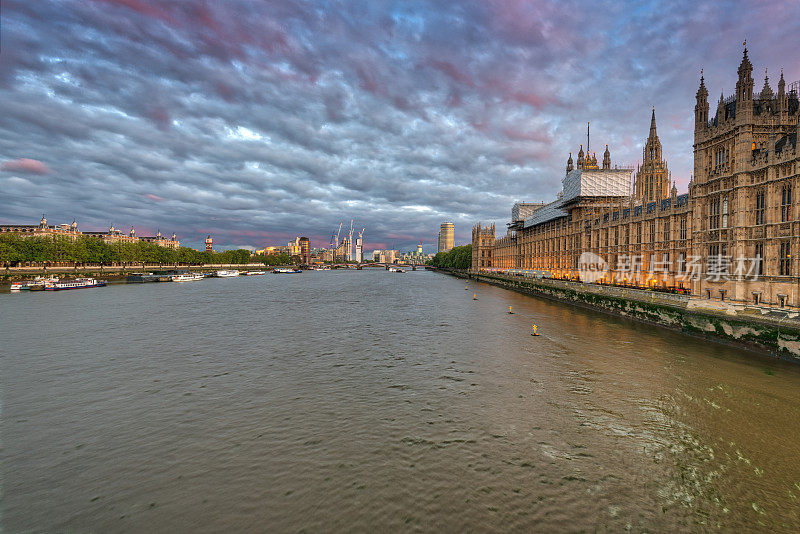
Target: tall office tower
{"x":446,"y":237}
{"x":305,"y":250}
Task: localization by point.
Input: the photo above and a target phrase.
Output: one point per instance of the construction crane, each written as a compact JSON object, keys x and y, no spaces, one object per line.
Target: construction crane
{"x":335,"y":238}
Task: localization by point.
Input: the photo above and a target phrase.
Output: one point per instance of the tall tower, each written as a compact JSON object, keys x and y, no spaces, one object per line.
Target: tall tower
{"x":360,"y":246}
{"x":446,"y":236}
{"x":347,"y":249}
{"x":209,"y":244}
{"x":305,"y":250}
{"x":652,"y":176}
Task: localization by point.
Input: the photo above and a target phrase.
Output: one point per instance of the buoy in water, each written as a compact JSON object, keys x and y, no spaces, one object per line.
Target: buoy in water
{"x":534,"y":333}
{"x":466,"y":288}
{"x":509,"y":310}
{"x":475,"y":296}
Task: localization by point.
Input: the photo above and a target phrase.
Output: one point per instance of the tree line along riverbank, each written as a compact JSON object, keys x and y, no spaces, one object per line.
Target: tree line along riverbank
{"x":459,"y":258}
{"x":83,"y":250}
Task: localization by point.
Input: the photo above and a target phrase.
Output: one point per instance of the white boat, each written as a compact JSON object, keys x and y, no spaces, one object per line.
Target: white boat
{"x":27,"y":284}
{"x":396,"y":270}
{"x":78,"y":283}
{"x":284,"y":270}
{"x":254,"y":273}
{"x":186,"y":277}
{"x":226,"y":274}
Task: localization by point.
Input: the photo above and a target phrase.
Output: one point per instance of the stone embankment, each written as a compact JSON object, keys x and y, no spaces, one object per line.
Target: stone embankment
{"x":768,"y":330}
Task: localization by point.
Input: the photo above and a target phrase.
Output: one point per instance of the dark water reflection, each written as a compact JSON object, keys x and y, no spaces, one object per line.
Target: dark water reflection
{"x":372,"y":400}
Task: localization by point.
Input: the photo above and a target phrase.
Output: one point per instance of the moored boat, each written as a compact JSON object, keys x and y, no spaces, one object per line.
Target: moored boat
{"x":78,"y":283}
{"x":254,"y":273}
{"x":186,"y":277}
{"x":141,"y":278}
{"x":226,"y":274}
{"x":37,"y":284}
{"x":284,"y":270}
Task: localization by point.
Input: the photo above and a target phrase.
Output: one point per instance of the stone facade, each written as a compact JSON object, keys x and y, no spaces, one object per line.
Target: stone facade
{"x":113,"y":235}
{"x":739,"y":217}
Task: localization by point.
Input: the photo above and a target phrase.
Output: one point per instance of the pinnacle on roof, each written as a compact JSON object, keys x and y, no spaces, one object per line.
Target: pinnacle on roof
{"x":702,"y":92}
{"x":766,"y":92}
{"x":745,"y":68}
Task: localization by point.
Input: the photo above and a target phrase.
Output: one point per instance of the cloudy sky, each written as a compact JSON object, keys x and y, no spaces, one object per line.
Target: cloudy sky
{"x":260,"y":121}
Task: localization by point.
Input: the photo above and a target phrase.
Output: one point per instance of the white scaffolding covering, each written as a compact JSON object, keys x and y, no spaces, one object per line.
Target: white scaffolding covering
{"x":548,"y":212}
{"x":596,"y":183}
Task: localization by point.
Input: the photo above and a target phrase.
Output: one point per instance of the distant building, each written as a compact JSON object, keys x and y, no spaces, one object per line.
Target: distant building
{"x":305,"y":250}
{"x":161,"y":241}
{"x":446,"y":237}
{"x":294,"y":247}
{"x":209,"y":244}
{"x":112,"y":235}
{"x":385,"y":256}
{"x":277,"y":249}
{"x":41,"y":230}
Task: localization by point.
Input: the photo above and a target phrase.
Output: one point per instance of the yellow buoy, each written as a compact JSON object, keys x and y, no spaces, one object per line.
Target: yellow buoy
{"x":466,"y":288}
{"x":509,"y":310}
{"x":534,"y":333}
{"x":475,"y":296}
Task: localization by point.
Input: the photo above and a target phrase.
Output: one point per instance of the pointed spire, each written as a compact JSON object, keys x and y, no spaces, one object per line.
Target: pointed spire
{"x":653,"y":124}
{"x":702,"y":92}
{"x":745,"y":67}
{"x":766,"y":92}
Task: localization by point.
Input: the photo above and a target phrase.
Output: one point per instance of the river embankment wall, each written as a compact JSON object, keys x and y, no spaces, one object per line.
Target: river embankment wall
{"x":771,"y":331}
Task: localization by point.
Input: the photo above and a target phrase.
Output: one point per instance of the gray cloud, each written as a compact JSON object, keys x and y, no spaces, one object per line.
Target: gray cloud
{"x":257,"y":122}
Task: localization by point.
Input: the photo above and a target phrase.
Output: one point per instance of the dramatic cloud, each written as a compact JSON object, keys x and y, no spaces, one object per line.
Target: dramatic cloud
{"x":260,"y":121}
{"x":24,"y":165}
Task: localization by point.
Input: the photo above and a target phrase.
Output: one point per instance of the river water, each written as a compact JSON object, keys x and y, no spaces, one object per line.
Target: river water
{"x":368,"y":400}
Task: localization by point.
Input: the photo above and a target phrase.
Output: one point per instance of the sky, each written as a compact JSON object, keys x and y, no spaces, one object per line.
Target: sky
{"x":260,"y":121}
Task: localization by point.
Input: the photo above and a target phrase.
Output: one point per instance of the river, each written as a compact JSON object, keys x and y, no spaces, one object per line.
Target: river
{"x":369,"y":400}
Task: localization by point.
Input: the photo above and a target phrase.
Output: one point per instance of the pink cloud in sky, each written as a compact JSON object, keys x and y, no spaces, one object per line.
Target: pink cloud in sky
{"x":32,"y":166}
{"x":154,"y":198}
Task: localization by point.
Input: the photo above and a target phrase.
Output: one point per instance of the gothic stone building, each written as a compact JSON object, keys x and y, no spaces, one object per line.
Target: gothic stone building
{"x":734,"y":236}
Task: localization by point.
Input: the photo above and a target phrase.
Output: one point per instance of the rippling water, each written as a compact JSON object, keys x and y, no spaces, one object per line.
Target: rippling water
{"x":371,"y":400}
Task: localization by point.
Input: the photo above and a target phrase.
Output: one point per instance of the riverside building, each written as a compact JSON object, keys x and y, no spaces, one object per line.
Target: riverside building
{"x":734,"y":236}
{"x":111,"y":236}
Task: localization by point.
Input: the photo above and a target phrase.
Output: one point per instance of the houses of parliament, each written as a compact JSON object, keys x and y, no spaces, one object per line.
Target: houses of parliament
{"x":734,"y":236}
